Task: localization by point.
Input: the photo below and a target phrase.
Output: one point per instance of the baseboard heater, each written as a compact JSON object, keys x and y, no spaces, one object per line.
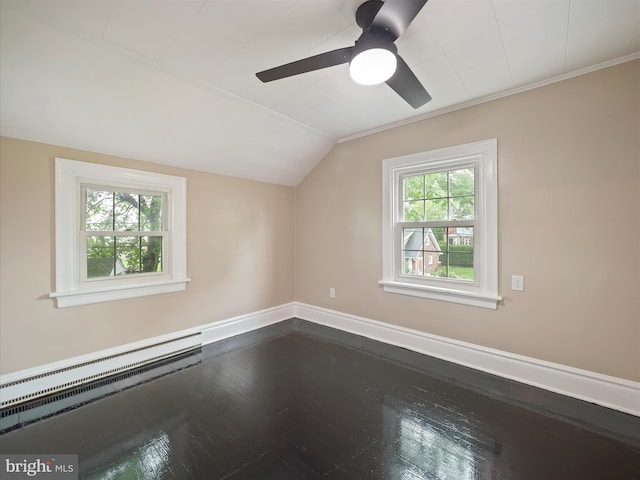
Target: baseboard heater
{"x":47,"y":383}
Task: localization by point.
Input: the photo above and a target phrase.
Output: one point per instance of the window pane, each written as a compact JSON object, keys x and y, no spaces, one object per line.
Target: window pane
{"x":440,"y":236}
{"x":127,"y":213}
{"x":413,"y":188}
{"x":412,"y":238}
{"x":461,"y":266}
{"x":462,"y":208}
{"x":128,"y":254}
{"x":461,"y":182}
{"x":412,"y":263}
{"x":414,"y":211}
{"x":460,"y":253}
{"x":436,"y":185}
{"x":460,"y":237}
{"x":151,"y":254}
{"x":99,"y":210}
{"x":421,"y":251}
{"x":151,"y":213}
{"x":412,"y":250}
{"x":100,"y":256}
{"x":437,"y":209}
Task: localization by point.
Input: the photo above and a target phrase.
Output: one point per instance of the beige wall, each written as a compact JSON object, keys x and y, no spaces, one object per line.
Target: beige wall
{"x":240,"y":241}
{"x":569,"y":183}
{"x":569,"y":179}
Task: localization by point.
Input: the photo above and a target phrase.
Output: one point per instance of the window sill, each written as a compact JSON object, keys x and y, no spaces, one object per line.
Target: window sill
{"x":121,"y":292}
{"x":442,"y":294}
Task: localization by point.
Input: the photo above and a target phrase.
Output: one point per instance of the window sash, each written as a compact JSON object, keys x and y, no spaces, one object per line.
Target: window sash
{"x":426,"y":170}
{"x":113,"y":189}
{"x":432,"y":279}
{"x":84,"y":259}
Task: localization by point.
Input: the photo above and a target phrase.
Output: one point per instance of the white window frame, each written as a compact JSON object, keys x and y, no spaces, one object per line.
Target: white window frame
{"x":483,"y":290}
{"x":72,"y":286}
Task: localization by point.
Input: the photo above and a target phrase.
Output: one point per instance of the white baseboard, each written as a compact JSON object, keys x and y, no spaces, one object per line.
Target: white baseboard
{"x":611,"y":392}
{"x":608,"y":391}
{"x":231,"y":327}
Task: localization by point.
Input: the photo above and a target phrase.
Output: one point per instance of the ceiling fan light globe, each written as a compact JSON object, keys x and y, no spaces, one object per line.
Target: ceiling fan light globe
{"x":373,"y":66}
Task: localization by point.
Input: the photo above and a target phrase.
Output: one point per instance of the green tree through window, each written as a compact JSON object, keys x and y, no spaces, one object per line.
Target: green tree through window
{"x":124,"y":232}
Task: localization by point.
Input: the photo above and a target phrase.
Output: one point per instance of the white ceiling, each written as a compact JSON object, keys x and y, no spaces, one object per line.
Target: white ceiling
{"x":173,"y":81}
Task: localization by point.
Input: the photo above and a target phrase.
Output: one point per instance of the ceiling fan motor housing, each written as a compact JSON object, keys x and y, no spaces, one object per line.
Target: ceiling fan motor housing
{"x":367,"y":12}
{"x":374,"y":38}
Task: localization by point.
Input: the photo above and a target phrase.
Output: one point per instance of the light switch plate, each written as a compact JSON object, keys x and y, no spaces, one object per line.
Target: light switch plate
{"x":517,"y":283}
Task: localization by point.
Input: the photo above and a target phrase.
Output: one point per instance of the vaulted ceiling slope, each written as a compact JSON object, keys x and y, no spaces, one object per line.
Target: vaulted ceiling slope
{"x":173,"y":82}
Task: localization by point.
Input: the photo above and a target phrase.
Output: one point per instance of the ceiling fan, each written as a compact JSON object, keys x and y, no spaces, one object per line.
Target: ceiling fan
{"x":374,"y":57}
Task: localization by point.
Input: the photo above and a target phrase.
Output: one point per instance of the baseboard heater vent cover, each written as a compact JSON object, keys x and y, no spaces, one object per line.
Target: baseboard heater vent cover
{"x":47,"y":383}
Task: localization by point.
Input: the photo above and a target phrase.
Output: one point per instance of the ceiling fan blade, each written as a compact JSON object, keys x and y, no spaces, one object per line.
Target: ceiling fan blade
{"x":407,"y":85}
{"x":396,"y":15}
{"x":323,"y":60}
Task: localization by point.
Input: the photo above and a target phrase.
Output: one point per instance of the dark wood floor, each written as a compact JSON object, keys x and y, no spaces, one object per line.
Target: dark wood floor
{"x":298,"y":401}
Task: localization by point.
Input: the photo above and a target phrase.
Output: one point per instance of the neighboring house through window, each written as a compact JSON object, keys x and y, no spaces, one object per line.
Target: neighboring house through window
{"x":440,"y":224}
{"x":120,"y":233}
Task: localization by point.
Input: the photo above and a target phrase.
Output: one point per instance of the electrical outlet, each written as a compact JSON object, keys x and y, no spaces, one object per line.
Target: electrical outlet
{"x":517,"y":283}
{"x":332,"y":292}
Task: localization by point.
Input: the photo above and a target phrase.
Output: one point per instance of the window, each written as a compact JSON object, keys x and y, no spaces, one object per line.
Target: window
{"x":440,"y":225}
{"x":120,"y":233}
